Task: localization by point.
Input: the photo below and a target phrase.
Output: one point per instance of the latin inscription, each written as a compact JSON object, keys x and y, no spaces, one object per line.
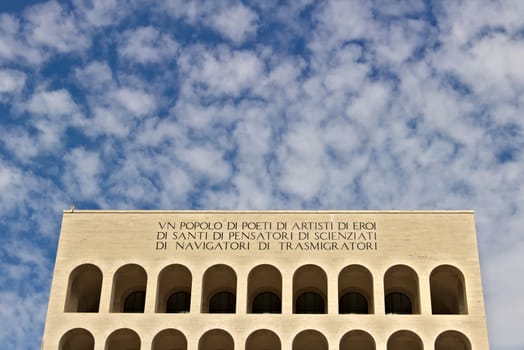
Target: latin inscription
{"x":267,"y":235}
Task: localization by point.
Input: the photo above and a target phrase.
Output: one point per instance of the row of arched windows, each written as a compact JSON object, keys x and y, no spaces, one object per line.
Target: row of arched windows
{"x":167,"y":339}
{"x":219,"y":288}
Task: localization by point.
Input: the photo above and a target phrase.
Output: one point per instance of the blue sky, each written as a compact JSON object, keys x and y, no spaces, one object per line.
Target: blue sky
{"x":266,"y":104}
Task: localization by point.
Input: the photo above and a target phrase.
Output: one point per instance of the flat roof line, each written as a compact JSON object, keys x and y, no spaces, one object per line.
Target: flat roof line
{"x":137,"y":211}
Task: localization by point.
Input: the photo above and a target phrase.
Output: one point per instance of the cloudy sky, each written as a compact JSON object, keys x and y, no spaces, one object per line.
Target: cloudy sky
{"x":266,"y":104}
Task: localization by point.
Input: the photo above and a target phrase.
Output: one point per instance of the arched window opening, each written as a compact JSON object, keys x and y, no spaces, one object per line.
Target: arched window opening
{"x":355,"y":290}
{"x":267,"y":303}
{"x":310,"y":286}
{"x":398,"y":303}
{"x":353,"y":303}
{"x":310,"y":303}
{"x":310,"y":340}
{"x":174,"y":289}
{"x":77,"y":339}
{"x":404,"y":340}
{"x":169,"y":339}
{"x":448,"y":295}
{"x":264,"y":290}
{"x":129,"y":289}
{"x":135,"y":302}
{"x":178,"y":302}
{"x":452,"y":340}
{"x":123,"y":338}
{"x":219,"y":286}
{"x":222,"y":303}
{"x":263,"y":339}
{"x":357,"y":340}
{"x":83,"y":293}
{"x":401,"y":290}
{"x":216,"y":339}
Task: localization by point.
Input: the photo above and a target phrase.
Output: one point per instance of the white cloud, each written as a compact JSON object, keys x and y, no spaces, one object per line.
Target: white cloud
{"x":51,"y":25}
{"x":106,"y":121}
{"x":345,"y":73}
{"x":18,"y":188}
{"x":11,"y":80}
{"x":135,"y":101}
{"x":26,"y":262}
{"x":159,"y":133}
{"x":194,"y":115}
{"x":398,"y":41}
{"x":236,"y":22}
{"x":301,"y":160}
{"x":96,"y":76}
{"x":56,"y":103}
{"x":147,"y":45}
{"x":463,"y":21}
{"x":191,"y":11}
{"x":499,"y":289}
{"x":490,"y":67}
{"x":371,"y":104}
{"x":206,"y":160}
{"x":9,"y":27}
{"x":98,"y":13}
{"x":131,"y":182}
{"x":13,"y":46}
{"x":400,"y":7}
{"x":11,"y":182}
{"x":232,"y":19}
{"x":81,"y":175}
{"x":19,"y":142}
{"x":49,"y":113}
{"x":340,"y":20}
{"x":13,"y":307}
{"x":115,"y":103}
{"x":219,"y":71}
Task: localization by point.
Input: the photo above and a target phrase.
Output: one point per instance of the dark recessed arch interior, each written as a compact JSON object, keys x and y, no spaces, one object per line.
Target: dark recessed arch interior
{"x":77,"y":339}
{"x":84,"y":288}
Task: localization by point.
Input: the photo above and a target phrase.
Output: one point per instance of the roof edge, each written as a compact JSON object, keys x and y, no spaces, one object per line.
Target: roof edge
{"x":156,"y":211}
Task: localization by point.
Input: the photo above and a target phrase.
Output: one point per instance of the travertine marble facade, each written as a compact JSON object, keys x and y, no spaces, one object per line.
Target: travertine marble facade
{"x":406,"y":280}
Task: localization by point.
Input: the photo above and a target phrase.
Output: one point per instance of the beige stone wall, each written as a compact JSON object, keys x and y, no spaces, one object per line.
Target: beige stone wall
{"x":376,"y":240}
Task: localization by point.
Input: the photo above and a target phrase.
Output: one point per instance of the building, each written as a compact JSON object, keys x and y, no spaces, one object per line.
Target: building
{"x":315,"y":280}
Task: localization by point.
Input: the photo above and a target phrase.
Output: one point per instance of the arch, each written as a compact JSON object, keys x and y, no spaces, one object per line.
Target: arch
{"x":398,"y":303}
{"x":448,"y":293}
{"x":174,"y":285}
{"x":134,"y":302}
{"x":169,"y":339}
{"x":218,"y":279}
{"x":84,"y":288}
{"x":178,"y":302}
{"x":266,"y":303}
{"x":222,"y":303}
{"x":123,"y":338}
{"x":77,"y":339}
{"x":312,"y":280}
{"x":403,"y":280}
{"x":263,"y":339}
{"x":404,"y":340}
{"x":355,"y":280}
{"x":310,"y":303}
{"x":357,"y":340}
{"x":264,"y":290}
{"x":311,"y":340}
{"x":452,"y":340}
{"x":216,"y":339}
{"x":129,"y":284}
{"x":353,"y":303}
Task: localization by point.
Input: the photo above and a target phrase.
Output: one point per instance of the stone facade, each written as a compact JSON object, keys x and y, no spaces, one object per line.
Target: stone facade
{"x":266,"y":280}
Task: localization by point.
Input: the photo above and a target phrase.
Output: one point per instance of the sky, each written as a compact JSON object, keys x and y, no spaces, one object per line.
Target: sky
{"x":263,"y":104}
